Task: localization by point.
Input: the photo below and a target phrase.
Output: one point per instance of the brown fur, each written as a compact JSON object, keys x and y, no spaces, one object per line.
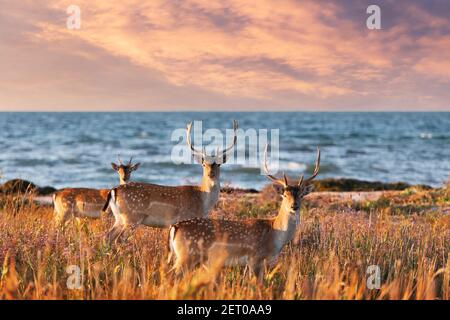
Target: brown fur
{"x":160,"y":206}
{"x":253,"y":240}
{"x":86,"y":202}
{"x":245,"y":242}
{"x":75,"y":202}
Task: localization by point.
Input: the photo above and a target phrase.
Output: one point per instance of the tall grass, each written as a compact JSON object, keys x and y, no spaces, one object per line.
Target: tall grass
{"x":328,"y":259}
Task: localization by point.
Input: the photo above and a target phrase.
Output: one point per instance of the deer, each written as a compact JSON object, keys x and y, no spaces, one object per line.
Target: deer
{"x":241,"y":242}
{"x":86,"y":202}
{"x":159,"y":206}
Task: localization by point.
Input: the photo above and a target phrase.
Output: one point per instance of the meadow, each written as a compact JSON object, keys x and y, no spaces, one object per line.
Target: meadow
{"x":405,"y":233}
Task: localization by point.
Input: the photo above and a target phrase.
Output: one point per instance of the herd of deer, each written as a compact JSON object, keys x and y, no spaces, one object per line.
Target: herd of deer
{"x":193,"y":237}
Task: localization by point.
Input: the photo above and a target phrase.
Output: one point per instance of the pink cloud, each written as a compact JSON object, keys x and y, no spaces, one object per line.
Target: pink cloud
{"x":261,"y":52}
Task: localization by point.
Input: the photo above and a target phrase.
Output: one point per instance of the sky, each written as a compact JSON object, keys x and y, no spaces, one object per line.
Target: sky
{"x":234,"y":55}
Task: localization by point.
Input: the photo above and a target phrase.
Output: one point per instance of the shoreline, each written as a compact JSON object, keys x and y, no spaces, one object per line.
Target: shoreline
{"x":326,"y":190}
{"x":20,"y":186}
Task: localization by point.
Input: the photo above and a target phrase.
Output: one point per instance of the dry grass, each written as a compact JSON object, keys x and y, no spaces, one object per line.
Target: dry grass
{"x":406,"y":234}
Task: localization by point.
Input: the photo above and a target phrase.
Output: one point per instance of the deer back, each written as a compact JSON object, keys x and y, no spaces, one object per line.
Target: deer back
{"x":73,"y":195}
{"x":157,"y":204}
{"x":247,"y":237}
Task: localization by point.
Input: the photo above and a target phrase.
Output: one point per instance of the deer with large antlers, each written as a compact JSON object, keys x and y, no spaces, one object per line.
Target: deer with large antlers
{"x":160,"y":206}
{"x":248,"y":242}
{"x":86,"y":202}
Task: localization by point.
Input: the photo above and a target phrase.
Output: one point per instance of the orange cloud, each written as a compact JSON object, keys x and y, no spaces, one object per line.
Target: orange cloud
{"x":253,"y":50}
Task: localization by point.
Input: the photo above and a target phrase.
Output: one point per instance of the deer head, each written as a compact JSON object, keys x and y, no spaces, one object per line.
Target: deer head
{"x":211,"y":164}
{"x":292,"y":195}
{"x":124,"y":170}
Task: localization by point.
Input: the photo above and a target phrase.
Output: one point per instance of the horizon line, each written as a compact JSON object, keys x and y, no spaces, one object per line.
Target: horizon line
{"x":222,"y":111}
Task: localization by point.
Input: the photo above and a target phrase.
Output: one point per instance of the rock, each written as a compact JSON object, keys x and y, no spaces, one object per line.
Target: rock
{"x":230,"y":190}
{"x":44,"y":191}
{"x":360,"y":185}
{"x":346,"y":185}
{"x":18,"y":186}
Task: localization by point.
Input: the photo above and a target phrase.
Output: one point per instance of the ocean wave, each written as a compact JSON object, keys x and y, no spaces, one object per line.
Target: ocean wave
{"x":288,"y":167}
{"x":66,"y":149}
{"x":355,"y":151}
{"x":426,"y":135}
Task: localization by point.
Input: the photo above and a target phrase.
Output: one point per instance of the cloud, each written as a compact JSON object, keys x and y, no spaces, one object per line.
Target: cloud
{"x":241,"y":54}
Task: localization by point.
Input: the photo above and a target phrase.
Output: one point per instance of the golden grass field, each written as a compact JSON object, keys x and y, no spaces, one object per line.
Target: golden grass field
{"x":405,"y":233}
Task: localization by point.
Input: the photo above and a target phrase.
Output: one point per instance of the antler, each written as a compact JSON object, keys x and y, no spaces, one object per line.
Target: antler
{"x":316,"y":170}
{"x":219,"y":154}
{"x":283,"y":182}
{"x":129,"y":162}
{"x":118,"y":158}
{"x":301,"y":180}
{"x":224,"y":152}
{"x":188,"y":134}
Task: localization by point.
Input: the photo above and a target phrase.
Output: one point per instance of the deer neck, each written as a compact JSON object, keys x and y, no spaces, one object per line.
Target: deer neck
{"x":122,"y":181}
{"x":210,"y":192}
{"x":284,"y":226}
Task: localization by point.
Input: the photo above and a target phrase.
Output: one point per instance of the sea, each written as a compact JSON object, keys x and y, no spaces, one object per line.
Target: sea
{"x":76,"y":149}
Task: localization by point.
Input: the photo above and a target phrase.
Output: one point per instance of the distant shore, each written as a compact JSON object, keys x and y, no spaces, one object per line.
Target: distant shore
{"x":19,"y":186}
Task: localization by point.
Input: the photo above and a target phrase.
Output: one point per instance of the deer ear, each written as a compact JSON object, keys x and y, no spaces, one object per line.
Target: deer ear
{"x":114,"y":166}
{"x":135,"y":166}
{"x":307,"y":190}
{"x":278,"y":189}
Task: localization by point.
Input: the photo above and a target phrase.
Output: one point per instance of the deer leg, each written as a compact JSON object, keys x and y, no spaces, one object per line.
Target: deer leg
{"x":57,"y":211}
{"x":257,"y":268}
{"x":129,"y":227}
{"x":61,"y":213}
{"x":63,"y":217}
{"x":58,"y":218}
{"x":120,"y":226}
{"x":182,"y":259}
{"x":115,"y":232}
{"x":183,"y":264}
{"x":178,"y":265}
{"x":127,"y":232}
{"x":121,"y":234}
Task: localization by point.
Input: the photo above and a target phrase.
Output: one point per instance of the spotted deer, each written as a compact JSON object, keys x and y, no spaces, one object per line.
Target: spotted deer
{"x":85,"y":202}
{"x":246,"y":242}
{"x":160,"y":206}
